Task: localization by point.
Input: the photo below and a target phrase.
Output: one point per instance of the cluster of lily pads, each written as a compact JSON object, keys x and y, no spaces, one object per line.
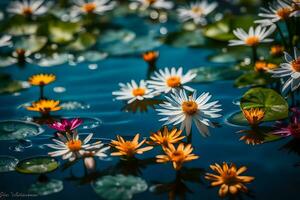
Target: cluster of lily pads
{"x":259,"y":51}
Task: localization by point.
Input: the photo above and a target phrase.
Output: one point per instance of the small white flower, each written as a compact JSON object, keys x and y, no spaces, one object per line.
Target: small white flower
{"x":277,"y":11}
{"x":164,"y":81}
{"x":196,"y":11}
{"x":71,"y":147}
{"x":133,"y":91}
{"x":156,"y":4}
{"x":29,"y":7}
{"x":180,"y":108}
{"x":290,"y":69}
{"x":92,"y":6}
{"x":253,"y":37}
{"x":5,"y":40}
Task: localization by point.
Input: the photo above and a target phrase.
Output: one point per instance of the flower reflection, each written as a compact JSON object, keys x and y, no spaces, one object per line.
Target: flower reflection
{"x":141,"y":106}
{"x":133,"y":166}
{"x":252,"y":137}
{"x":44,"y":106}
{"x":229,"y":179}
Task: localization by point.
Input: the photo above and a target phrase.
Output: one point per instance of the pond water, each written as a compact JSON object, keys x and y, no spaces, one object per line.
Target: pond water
{"x":274,"y":165}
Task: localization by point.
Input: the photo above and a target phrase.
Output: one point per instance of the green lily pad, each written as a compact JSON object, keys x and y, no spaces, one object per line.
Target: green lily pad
{"x":253,"y":79}
{"x":84,"y":41}
{"x":211,"y":74}
{"x":116,"y":36}
{"x":22,"y":29}
{"x":228,"y":57}
{"x":62,"y":32}
{"x":275,"y":106}
{"x":15,"y":129}
{"x":37,"y":165}
{"x":32,"y":43}
{"x":93,"y":56}
{"x":7,"y":85}
{"x":8,"y":163}
{"x":185,"y":39}
{"x":119,"y":187}
{"x":46,"y":188}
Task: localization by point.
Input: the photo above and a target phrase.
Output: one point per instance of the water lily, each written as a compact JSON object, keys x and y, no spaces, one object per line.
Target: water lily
{"x":179,"y":108}
{"x":196,"y":11}
{"x":229,"y":179}
{"x":132,"y":91}
{"x":156,"y":4}
{"x":44,"y":106}
{"x":92,"y":6}
{"x":166,"y":137}
{"x":170,"y":80}
{"x":178,"y":156}
{"x":254,"y":115}
{"x":66,"y":125}
{"x":289,"y":129}
{"x":291,"y":70}
{"x":41,"y":79}
{"x":72,"y":147}
{"x":29,"y":7}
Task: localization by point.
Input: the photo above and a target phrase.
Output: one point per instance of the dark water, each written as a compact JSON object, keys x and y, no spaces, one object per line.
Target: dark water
{"x":274,"y":167}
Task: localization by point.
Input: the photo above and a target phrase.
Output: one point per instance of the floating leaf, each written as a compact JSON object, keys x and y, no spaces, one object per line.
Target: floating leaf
{"x":46,"y":188}
{"x":15,"y":129}
{"x":185,"y":39}
{"x":253,"y":79}
{"x":62,"y":32}
{"x":84,"y":41}
{"x":94,"y":56}
{"x":119,"y":187}
{"x":8,"y":163}
{"x":219,"y":31}
{"x":37,"y":165}
{"x":7,"y":85}
{"x":117,"y":36}
{"x":53,"y":60}
{"x":31,"y":43}
{"x":274,"y":104}
{"x":22,"y":29}
{"x":74,"y":105}
{"x":211,"y":74}
{"x":7,"y":61}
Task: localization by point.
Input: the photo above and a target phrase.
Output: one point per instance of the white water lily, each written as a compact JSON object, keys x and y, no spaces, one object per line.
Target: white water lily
{"x":156,"y":4}
{"x":29,"y":7}
{"x":92,"y":6}
{"x":182,"y":109}
{"x":170,"y":80}
{"x":291,"y":70}
{"x":196,"y":11}
{"x":71,"y":147}
{"x":280,"y":10}
{"x":132,"y":91}
{"x":254,"y":37}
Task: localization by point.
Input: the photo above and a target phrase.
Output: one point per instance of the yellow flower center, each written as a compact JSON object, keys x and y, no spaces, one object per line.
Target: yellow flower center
{"x":296,"y":65}
{"x":27,"y":11}
{"x":252,"y":41}
{"x":197,"y":10}
{"x":174,"y":81}
{"x":189,"y":107}
{"x":74,"y":145}
{"x":229,"y":178}
{"x":284,"y":13}
{"x":130,"y":148}
{"x":89,"y":7}
{"x":138,"y":92}
{"x":150,"y":2}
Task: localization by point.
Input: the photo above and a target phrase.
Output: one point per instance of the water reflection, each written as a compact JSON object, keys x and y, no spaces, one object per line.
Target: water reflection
{"x":178,"y":189}
{"x":141,"y":106}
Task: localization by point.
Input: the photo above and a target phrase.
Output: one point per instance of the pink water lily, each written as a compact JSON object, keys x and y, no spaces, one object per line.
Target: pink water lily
{"x":66,"y":125}
{"x":291,"y":129}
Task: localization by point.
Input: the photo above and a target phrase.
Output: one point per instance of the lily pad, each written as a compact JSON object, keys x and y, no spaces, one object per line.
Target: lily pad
{"x":117,"y":36}
{"x":253,"y":79}
{"x":62,"y":32}
{"x":211,"y":74}
{"x":84,"y":41}
{"x":46,"y":188}
{"x":37,"y":165}
{"x":74,"y":105}
{"x":16,"y":130}
{"x":22,"y":29}
{"x":275,"y":106}
{"x":119,"y":187}
{"x":31,"y":43}
{"x":7,"y":61}
{"x":93,"y":56}
{"x":53,"y":60}
{"x":8,"y":163}
{"x":186,"y":39}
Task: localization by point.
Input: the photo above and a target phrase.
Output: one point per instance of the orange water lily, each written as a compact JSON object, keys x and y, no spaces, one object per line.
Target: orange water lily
{"x":166,"y":137}
{"x":44,"y":106}
{"x":129,"y":148}
{"x":254,"y":115}
{"x":228,"y":178}
{"x":178,"y":156}
{"x":41,"y":79}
